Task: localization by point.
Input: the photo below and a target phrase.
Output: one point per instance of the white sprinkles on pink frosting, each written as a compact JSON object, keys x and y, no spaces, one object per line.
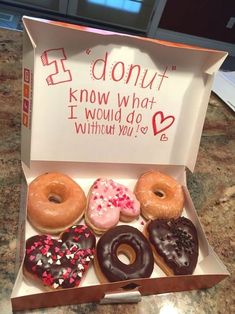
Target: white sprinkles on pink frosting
{"x":107,"y":200}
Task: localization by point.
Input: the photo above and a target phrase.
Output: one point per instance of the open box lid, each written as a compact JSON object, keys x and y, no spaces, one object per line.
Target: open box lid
{"x":95,"y":96}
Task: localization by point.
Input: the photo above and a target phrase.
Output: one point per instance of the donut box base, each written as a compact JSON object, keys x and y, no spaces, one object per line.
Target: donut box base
{"x":143,"y":109}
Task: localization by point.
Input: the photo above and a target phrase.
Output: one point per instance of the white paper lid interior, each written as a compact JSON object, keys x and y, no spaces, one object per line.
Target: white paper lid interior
{"x":110,"y":97}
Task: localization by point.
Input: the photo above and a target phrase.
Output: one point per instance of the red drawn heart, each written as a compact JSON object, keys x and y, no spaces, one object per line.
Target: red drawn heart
{"x":60,"y":263}
{"x":144,"y":129}
{"x":161,"y":123}
{"x":163,"y":137}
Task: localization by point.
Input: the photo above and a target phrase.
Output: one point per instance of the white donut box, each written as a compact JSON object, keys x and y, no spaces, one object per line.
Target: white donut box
{"x":102,"y":104}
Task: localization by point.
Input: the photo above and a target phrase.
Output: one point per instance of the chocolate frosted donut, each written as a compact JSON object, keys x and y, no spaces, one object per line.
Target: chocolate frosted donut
{"x":175,"y":245}
{"x":130,"y":242}
{"x":62,"y":263}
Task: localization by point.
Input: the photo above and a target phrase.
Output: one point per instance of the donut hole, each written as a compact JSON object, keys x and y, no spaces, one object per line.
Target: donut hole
{"x":55,"y":198}
{"x":126,"y":254}
{"x":159,"y":193}
{"x":57,"y":193}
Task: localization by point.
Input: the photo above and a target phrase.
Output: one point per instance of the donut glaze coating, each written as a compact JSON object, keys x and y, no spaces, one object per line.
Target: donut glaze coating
{"x":55,"y":202}
{"x":160,"y":196}
{"x":176,"y":242}
{"x":140,"y":254}
{"x":109,"y":202}
{"x":59,"y":264}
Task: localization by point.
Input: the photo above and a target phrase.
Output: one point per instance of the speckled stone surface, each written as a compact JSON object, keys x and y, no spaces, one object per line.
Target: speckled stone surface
{"x":212,"y":187}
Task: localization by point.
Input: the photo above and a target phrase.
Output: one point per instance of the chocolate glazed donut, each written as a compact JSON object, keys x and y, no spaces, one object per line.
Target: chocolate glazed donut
{"x":175,"y":245}
{"x":132,"y":243}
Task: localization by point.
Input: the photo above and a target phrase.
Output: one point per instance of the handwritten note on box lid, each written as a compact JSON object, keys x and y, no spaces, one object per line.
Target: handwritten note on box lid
{"x":111,"y":97}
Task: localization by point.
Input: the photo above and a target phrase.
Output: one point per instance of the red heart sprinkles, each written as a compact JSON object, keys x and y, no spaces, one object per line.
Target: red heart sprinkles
{"x":60,"y":263}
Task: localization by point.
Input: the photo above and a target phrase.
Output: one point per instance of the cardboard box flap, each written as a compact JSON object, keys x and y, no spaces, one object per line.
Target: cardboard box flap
{"x":101,"y":96}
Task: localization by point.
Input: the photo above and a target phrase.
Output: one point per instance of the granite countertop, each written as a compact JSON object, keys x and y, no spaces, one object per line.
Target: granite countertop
{"x":212,"y":187}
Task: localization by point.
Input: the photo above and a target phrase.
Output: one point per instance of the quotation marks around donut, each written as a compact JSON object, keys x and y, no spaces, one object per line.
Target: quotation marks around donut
{"x":161,"y":123}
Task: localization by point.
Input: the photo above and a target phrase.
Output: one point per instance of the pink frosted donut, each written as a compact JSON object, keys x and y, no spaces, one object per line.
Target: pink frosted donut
{"x":109,"y":202}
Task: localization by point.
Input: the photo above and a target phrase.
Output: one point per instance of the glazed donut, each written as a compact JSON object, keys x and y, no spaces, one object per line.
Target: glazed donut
{"x":55,"y":202}
{"x":109,"y":202}
{"x":59,"y":264}
{"x":160,"y":196}
{"x":130,"y":242}
{"x":174,"y":244}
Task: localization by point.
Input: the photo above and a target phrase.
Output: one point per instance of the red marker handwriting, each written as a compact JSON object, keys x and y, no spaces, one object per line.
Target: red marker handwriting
{"x":55,"y":58}
{"x":161,"y":123}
